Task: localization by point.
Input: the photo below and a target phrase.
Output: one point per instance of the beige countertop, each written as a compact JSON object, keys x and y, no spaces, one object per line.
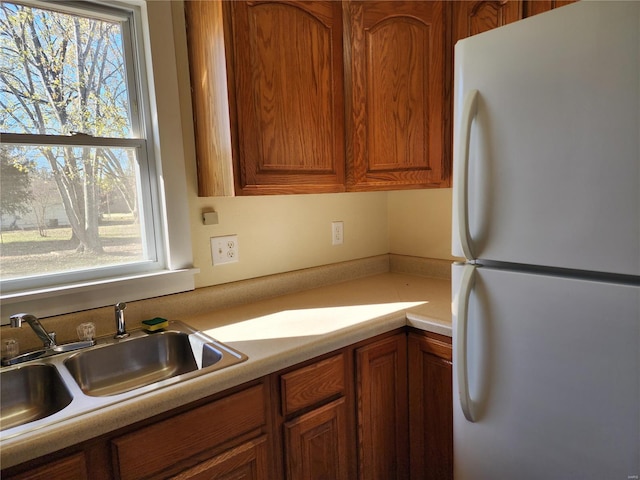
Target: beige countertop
{"x":274,"y":333}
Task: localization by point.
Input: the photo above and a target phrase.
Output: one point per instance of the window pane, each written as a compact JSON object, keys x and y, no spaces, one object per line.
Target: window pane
{"x":69,"y":208}
{"x":61,"y":73}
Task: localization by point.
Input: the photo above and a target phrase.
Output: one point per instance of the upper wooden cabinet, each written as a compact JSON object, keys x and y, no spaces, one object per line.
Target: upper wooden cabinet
{"x":397,"y":96}
{"x":312,"y":97}
{"x":473,"y":17}
{"x":477,"y":16}
{"x":284,"y":76}
{"x":533,"y":7}
{"x":327,"y":96}
{"x":286,"y":96}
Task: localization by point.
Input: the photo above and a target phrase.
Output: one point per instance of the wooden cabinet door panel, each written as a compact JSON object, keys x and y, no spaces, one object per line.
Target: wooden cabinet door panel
{"x":534,"y":7}
{"x":430,"y":407}
{"x":473,"y":17}
{"x":381,"y":389}
{"x":288,"y":74}
{"x":245,"y":462}
{"x":396,"y":97}
{"x":316,"y":444}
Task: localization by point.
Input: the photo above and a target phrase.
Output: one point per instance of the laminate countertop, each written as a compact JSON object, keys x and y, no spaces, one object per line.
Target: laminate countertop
{"x":274,"y":333}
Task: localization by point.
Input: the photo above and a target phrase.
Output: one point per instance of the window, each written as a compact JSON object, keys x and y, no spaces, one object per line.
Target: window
{"x":83,"y":195}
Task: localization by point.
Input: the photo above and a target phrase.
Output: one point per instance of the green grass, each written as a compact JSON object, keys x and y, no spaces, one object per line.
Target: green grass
{"x":25,"y":252}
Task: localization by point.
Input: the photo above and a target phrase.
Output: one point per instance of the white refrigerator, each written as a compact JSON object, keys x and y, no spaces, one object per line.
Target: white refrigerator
{"x":546,"y":212}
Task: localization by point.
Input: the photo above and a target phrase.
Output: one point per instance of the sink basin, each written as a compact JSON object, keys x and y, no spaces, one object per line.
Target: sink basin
{"x":30,"y":393}
{"x":130,"y":364}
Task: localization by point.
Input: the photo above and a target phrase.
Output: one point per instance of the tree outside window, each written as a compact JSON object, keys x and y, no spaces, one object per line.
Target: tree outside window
{"x":73,"y":148}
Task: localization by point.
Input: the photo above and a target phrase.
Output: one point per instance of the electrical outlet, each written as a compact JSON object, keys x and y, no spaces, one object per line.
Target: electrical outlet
{"x":337,"y":233}
{"x":224,"y":249}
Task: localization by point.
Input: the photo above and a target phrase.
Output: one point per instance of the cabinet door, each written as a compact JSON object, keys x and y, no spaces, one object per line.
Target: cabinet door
{"x":245,"y":462}
{"x":381,"y":389}
{"x":473,"y":17}
{"x":286,"y":96}
{"x":316,"y":444}
{"x":430,"y":407}
{"x":534,"y":7}
{"x":397,"y":106}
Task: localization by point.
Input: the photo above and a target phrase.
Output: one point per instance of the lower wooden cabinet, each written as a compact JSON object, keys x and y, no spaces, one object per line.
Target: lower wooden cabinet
{"x":315,"y":399}
{"x":381,"y":390}
{"x":430,"y":407}
{"x":316,"y":444}
{"x":381,"y":409}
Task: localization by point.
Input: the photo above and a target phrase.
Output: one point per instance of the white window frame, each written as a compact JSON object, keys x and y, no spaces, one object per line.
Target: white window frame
{"x":173,"y":272}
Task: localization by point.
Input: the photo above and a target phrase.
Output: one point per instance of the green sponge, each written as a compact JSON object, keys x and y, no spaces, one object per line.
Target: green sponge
{"x":155,"y":324}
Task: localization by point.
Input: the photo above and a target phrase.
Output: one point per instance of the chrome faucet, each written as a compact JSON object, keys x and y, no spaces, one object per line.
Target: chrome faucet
{"x":49,"y":339}
{"x":121,"y":331}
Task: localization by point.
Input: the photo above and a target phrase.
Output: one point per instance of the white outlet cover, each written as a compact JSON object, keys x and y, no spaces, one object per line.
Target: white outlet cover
{"x":337,"y":233}
{"x":225,"y":249}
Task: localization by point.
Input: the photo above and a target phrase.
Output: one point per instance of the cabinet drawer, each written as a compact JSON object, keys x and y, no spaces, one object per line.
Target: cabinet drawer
{"x":312,"y":384}
{"x":71,"y":467}
{"x":154,"y":448}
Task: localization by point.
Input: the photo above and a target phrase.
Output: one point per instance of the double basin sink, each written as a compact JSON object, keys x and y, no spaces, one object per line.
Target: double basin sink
{"x":58,"y":387}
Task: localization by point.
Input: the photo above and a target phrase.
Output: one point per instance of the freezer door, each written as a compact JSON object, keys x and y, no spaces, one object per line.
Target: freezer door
{"x":553,"y":170}
{"x":547,"y":383}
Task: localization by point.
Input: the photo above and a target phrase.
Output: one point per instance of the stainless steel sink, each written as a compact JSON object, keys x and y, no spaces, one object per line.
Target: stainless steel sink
{"x":62,"y":386}
{"x":135,"y":362}
{"x":131,"y":364}
{"x":30,"y":393}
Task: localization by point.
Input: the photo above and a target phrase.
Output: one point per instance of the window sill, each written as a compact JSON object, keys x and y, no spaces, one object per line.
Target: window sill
{"x":48,"y":302}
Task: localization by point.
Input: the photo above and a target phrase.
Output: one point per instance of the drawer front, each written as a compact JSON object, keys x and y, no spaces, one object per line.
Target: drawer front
{"x":71,"y":467}
{"x":312,"y":384}
{"x":154,"y":448}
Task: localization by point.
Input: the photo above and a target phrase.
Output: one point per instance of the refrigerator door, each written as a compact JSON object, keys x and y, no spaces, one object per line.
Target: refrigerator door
{"x":549,"y":375}
{"x":553,"y":170}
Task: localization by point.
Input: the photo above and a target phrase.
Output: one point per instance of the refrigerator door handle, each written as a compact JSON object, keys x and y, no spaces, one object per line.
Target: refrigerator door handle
{"x":461,"y":177}
{"x":466,"y":285}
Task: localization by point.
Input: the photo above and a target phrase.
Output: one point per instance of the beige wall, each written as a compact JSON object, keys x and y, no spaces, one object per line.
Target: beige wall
{"x":289,"y":232}
{"x":420,"y":223}
{"x":283,"y":233}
